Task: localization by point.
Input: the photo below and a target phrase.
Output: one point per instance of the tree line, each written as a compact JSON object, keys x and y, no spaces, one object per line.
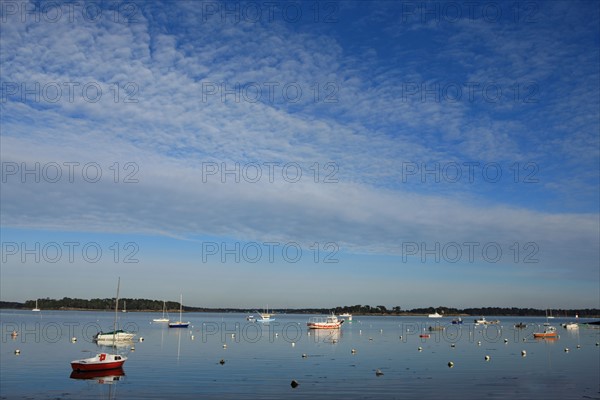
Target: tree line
{"x":131,"y":304}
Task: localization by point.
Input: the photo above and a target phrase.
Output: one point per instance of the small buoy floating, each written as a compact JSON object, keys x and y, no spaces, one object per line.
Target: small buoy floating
{"x":378,"y":372}
{"x":17,"y":351}
{"x":523,"y":353}
{"x":222,"y":361}
{"x":505,"y":340}
{"x":420,"y":348}
{"x":487,"y":358}
{"x":73,"y":339}
{"x":224,"y":345}
{"x":304,"y":355}
{"x":453,"y":345}
{"x":450,"y":364}
{"x":294,"y":384}
{"x":132,"y":348}
{"x":293,"y":344}
{"x":353,"y":351}
{"x":566,"y":349}
{"x":479,"y":343}
{"x":578,"y":346}
{"x":141,"y":339}
{"x":192,"y":337}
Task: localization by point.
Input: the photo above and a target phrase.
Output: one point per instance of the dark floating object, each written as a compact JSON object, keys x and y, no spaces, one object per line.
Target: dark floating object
{"x":450,"y":364}
{"x":294,"y":384}
{"x":378,"y":372}
{"x":304,"y":355}
{"x":222,"y":361}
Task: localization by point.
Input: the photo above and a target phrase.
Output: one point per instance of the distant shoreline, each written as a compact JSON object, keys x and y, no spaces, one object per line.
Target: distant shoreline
{"x":488,"y":311}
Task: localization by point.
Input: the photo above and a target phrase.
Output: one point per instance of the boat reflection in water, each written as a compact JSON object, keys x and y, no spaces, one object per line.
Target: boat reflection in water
{"x":108,"y":376}
{"x":325,"y":335}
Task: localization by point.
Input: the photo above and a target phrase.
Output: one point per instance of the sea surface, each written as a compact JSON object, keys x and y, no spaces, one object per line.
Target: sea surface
{"x":261,"y":360}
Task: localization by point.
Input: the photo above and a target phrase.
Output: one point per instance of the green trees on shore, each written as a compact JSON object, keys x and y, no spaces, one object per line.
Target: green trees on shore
{"x":67,"y":303}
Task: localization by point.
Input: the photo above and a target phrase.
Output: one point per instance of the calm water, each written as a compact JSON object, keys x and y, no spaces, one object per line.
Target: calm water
{"x":262,"y":360}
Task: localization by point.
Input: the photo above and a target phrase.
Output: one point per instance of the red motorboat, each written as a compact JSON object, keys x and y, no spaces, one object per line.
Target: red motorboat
{"x":101,"y":361}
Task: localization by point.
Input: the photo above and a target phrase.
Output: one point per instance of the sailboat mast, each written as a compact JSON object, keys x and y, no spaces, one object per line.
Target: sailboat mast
{"x":180,"y":306}
{"x":116,"y":310}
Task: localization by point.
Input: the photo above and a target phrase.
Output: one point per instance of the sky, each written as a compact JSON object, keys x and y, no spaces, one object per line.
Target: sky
{"x":302,"y":154}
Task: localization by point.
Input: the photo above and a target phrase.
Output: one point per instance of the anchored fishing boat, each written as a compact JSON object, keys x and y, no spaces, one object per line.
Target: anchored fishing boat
{"x":324,"y":322}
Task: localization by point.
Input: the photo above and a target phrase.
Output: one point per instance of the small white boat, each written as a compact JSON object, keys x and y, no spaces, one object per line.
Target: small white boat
{"x":481,"y":321}
{"x":118,"y":336}
{"x":571,"y":325}
{"x":163,"y":319}
{"x":324,"y":322}
{"x":348,"y":316}
{"x":264,"y":318}
{"x":180,"y":323}
{"x":251,"y":318}
{"x":36,"y":306}
{"x":435,"y":315}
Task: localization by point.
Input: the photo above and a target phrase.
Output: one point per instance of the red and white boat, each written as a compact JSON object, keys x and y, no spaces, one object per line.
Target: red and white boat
{"x":326,"y":322}
{"x":548,"y":333}
{"x":100,"y":362}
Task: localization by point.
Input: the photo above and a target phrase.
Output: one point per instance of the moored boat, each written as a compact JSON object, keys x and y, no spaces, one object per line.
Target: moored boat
{"x":347,"y":316}
{"x":102,"y":361}
{"x":520,"y":325}
{"x":118,"y":336}
{"x":325,"y":322}
{"x":435,"y":315}
{"x":457,"y":321}
{"x":180,"y":323}
{"x":549,"y":332}
{"x":163,"y":318}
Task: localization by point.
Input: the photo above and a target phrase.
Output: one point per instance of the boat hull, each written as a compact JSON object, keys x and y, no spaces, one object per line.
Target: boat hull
{"x":549,"y":335}
{"x":179,"y":324}
{"x":323,"y":325}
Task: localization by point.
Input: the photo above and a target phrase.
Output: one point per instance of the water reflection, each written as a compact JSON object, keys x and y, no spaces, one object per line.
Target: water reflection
{"x":105,"y":377}
{"x":332,"y":336}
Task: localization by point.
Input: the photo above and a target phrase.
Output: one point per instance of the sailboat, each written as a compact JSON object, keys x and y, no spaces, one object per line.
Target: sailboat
{"x":266,"y":316}
{"x":549,"y":332}
{"x":124,"y":306}
{"x":163,"y":319}
{"x":36,"y":306}
{"x":179,"y":324}
{"x":102,"y":361}
{"x":116,"y":335}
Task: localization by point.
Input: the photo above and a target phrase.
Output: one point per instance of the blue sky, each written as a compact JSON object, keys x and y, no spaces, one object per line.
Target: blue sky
{"x":302,"y":154}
